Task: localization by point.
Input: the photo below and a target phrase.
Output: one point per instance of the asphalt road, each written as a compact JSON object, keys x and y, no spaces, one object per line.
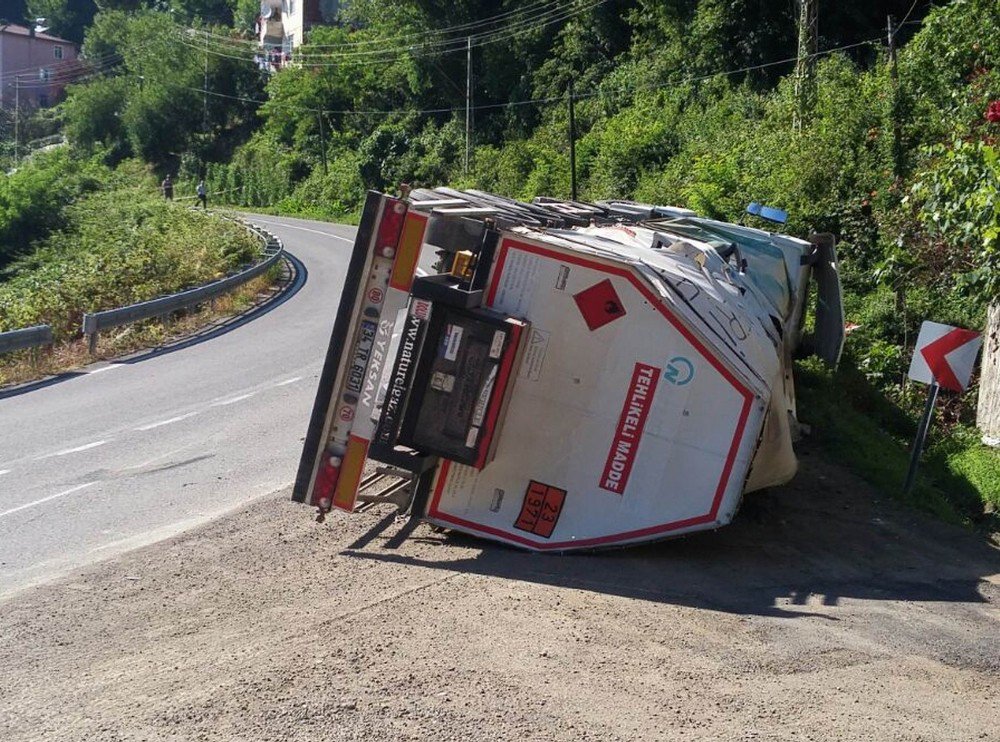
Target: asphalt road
{"x":130,"y":452}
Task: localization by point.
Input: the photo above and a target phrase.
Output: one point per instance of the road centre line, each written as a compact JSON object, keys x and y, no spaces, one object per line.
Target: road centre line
{"x":84,"y":447}
{"x":234,"y":400}
{"x":70,"y":491}
{"x":289,"y":381}
{"x":161,"y":423}
{"x":4,"y":471}
{"x":306,"y":229}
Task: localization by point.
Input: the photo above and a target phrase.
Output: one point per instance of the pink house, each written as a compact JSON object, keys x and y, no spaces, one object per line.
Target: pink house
{"x":34,"y":67}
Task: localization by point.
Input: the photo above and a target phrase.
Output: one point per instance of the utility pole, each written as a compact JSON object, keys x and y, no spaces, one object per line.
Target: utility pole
{"x":897,"y":149}
{"x":468,"y":102}
{"x":204,"y":114}
{"x":897,"y":174}
{"x":891,"y":40}
{"x":204,"y":96}
{"x":17,"y":119}
{"x":322,"y":140}
{"x":572,"y":144}
{"x":808,"y":32}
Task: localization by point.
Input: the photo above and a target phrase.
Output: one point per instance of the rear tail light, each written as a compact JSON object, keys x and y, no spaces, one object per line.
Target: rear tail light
{"x":326,"y":482}
{"x":389,"y":229}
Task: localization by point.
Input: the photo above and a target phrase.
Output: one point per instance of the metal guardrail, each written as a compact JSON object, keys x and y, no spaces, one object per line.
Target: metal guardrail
{"x":163,"y":306}
{"x":28,"y":337}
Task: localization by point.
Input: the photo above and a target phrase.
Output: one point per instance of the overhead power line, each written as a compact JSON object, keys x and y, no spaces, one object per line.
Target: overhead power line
{"x":551,"y":99}
{"x":33,"y":82}
{"x":307,"y":58}
{"x":462,"y":29}
{"x":64,"y":67}
{"x":459,"y":43}
{"x":909,"y":12}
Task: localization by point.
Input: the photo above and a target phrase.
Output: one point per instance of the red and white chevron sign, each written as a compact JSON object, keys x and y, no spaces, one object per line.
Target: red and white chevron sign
{"x":945,"y":355}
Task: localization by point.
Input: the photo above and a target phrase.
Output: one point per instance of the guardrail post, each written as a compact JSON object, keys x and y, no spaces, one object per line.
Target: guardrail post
{"x":91,"y":331}
{"x":33,"y":357}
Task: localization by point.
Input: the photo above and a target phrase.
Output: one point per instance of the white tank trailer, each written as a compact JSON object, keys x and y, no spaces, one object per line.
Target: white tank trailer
{"x":575,"y":376}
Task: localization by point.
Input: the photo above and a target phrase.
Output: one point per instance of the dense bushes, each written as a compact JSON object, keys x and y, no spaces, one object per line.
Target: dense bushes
{"x":154,"y":108}
{"x":33,"y":198}
{"x":115,"y":247}
{"x":958,"y":191}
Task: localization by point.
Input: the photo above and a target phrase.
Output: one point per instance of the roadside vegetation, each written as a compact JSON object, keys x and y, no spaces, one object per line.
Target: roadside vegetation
{"x":28,"y":365}
{"x":861,"y":426}
{"x":689,"y":102}
{"x":101,"y":239}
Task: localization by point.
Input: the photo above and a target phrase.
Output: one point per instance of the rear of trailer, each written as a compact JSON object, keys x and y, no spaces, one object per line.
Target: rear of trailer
{"x":571,"y":375}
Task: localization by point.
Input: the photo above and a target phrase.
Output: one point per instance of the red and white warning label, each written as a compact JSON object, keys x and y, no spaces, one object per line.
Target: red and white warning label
{"x":625,"y":445}
{"x":541,"y":508}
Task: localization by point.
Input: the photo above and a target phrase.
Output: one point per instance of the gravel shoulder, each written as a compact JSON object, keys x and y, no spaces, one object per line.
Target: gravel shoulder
{"x":823,"y":613}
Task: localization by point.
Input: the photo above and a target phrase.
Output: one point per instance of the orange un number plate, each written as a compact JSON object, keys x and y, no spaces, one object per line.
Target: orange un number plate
{"x":542,"y":505}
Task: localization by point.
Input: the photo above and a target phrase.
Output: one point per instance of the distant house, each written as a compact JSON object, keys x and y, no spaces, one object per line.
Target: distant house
{"x":34,"y":66}
{"x":283,"y":23}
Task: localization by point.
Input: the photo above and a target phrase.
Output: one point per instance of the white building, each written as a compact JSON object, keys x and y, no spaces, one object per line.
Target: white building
{"x":283,"y":23}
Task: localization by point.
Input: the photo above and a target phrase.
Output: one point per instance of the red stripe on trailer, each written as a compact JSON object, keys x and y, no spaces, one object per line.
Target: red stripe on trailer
{"x":503,"y":378}
{"x":655,"y":301}
{"x":497,"y":270}
{"x":433,"y":512}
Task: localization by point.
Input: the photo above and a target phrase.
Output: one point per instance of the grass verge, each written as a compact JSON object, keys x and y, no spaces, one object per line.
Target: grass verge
{"x":30,"y":365}
{"x":959,"y":478}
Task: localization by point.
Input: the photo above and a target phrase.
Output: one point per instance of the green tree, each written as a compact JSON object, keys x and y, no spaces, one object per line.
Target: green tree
{"x":207,"y":11}
{"x":65,"y":18}
{"x":92,"y":115}
{"x":245,"y":14}
{"x":14,"y":11}
{"x":159,"y":107}
{"x":958,"y":194}
{"x":958,"y":198}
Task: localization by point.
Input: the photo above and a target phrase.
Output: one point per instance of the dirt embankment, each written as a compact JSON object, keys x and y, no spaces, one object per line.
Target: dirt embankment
{"x":823,"y":614}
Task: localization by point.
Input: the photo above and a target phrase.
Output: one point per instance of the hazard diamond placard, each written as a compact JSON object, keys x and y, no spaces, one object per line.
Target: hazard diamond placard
{"x":945,"y":355}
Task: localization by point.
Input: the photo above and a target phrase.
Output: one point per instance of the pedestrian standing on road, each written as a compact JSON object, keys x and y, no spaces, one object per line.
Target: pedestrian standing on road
{"x":202,"y":194}
{"x":168,"y":188}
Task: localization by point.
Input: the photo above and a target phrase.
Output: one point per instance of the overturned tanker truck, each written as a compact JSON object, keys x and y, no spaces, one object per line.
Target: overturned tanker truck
{"x":571,"y":376}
